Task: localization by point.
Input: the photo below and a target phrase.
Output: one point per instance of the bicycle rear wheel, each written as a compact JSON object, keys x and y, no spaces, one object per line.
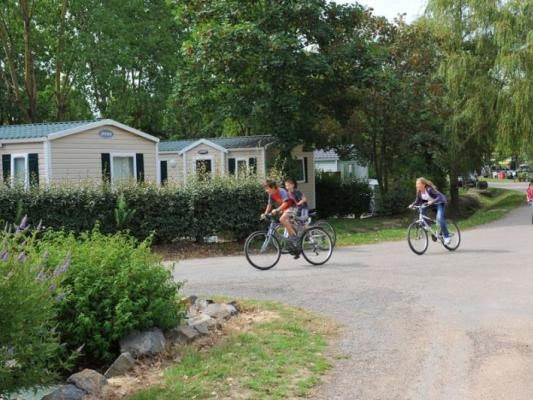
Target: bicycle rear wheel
{"x":330,"y":230}
{"x":262,"y":250}
{"x":316,"y":245}
{"x":417,"y":237}
{"x":455,"y":236}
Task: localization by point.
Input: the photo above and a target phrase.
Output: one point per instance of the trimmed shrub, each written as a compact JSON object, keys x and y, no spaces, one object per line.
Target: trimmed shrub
{"x":30,"y":351}
{"x":221,"y":206}
{"x":398,"y":197}
{"x":114,"y":285}
{"x":337,"y":197}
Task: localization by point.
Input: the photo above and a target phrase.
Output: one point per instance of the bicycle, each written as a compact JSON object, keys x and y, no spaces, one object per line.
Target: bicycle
{"x":263,"y":249}
{"x":300,"y":223}
{"x":419,"y":230}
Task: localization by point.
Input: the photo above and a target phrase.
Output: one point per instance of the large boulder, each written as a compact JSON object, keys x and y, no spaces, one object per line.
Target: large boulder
{"x":220,"y":311}
{"x":121,"y":365}
{"x":89,"y":381}
{"x":182,"y":334}
{"x":147,"y":343}
{"x":66,"y":392}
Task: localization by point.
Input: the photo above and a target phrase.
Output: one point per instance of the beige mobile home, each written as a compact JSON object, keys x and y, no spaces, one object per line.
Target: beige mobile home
{"x":179,"y":159}
{"x":74,"y":151}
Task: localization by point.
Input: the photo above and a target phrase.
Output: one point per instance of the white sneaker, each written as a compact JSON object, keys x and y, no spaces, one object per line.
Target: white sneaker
{"x":447,"y":241}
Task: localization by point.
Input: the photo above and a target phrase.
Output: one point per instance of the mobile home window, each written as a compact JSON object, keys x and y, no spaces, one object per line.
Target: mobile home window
{"x":19,"y":169}
{"x":301,"y":173}
{"x":242,"y":167}
{"x":203,"y":167}
{"x":122,"y":168}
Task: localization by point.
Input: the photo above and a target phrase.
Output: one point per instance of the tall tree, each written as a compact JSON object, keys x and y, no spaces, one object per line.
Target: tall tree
{"x":470,"y":96}
{"x":260,"y":67}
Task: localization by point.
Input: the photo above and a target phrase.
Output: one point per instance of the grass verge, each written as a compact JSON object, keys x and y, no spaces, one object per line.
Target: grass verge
{"x":482,"y":207}
{"x":280,"y":358}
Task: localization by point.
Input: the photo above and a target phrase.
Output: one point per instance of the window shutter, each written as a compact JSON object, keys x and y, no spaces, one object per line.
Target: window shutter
{"x":305,"y":170}
{"x":164,"y":172}
{"x":139,"y":158}
{"x":6,"y":167}
{"x":252,"y":165}
{"x":106,"y":167}
{"x":33,"y":169}
{"x":231,"y":166}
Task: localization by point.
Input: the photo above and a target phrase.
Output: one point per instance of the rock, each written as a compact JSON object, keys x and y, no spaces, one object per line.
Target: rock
{"x":220,"y":311}
{"x":147,"y":343}
{"x":121,"y":365}
{"x":200,"y":323}
{"x":236,"y":305}
{"x":66,"y":392}
{"x":182,"y":334}
{"x":89,"y":381}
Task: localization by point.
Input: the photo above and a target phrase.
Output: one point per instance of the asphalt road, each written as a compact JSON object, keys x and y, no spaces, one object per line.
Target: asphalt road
{"x":445,"y":325}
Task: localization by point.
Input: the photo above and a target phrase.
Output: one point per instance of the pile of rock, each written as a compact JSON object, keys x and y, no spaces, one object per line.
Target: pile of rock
{"x":202,"y":317}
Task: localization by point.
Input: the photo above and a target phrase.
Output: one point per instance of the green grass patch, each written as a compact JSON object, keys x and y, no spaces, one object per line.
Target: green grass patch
{"x":282,"y":357}
{"x":476,"y":208}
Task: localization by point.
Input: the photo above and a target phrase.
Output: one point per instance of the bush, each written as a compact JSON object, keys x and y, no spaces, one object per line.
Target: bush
{"x":30,"y":352}
{"x":337,"y":197}
{"x":221,"y":206}
{"x":114,"y":285}
{"x":398,"y":197}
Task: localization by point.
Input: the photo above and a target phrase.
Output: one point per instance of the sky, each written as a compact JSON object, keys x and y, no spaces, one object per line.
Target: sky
{"x":391,"y":8}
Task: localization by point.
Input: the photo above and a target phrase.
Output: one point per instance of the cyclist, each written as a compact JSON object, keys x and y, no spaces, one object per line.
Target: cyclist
{"x":298,"y":197}
{"x":285,"y":207}
{"x":529,"y":195}
{"x":427,"y":193}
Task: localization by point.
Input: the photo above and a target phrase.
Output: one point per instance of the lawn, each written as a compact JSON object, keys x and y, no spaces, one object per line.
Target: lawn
{"x":477,"y":207}
{"x":282,"y":357}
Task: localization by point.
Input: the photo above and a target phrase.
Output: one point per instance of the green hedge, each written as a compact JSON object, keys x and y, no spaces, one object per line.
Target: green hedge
{"x":225,"y":206}
{"x":338,"y":197}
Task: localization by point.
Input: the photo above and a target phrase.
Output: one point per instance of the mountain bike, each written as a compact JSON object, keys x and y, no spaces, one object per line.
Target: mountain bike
{"x":263,"y":248}
{"x":419,"y":231}
{"x":301,"y":223}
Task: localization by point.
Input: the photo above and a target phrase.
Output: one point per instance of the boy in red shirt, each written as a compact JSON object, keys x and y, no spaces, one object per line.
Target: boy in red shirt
{"x":280,"y":197}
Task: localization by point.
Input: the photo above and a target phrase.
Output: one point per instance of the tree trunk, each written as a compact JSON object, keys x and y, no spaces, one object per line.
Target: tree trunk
{"x":29,"y":73}
{"x":60,"y":96}
{"x":454,"y":189}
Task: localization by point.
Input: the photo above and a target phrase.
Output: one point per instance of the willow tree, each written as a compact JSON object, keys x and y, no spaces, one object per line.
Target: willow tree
{"x":514,"y":68}
{"x":468,"y":46}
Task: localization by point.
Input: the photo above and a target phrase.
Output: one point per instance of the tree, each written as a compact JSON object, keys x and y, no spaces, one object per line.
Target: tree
{"x":465,"y":28}
{"x":261,"y":67}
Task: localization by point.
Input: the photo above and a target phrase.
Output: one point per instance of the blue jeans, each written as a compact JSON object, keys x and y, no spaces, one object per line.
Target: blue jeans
{"x":441,"y":218}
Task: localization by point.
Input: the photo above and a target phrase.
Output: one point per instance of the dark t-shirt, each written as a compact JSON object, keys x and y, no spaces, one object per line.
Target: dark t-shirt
{"x":297,"y":195}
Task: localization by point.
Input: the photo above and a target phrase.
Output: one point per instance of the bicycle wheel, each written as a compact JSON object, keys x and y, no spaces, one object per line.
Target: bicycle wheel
{"x":417,"y":237}
{"x":316,"y":245}
{"x":330,"y":230}
{"x":282,"y":235}
{"x":455,"y":236}
{"x":262,"y":251}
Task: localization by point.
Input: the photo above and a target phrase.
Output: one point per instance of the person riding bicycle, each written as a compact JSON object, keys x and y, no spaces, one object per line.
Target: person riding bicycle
{"x":427,"y":193}
{"x":285,"y":207}
{"x":298,"y":197}
{"x":529,"y":192}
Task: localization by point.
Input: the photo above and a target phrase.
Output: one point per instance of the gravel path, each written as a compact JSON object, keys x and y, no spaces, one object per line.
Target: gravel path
{"x":442,"y":326}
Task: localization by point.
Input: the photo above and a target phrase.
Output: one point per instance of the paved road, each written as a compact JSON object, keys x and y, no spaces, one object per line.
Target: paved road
{"x":442,"y":326}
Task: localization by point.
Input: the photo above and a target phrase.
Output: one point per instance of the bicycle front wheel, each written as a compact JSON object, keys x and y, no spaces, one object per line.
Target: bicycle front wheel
{"x":417,"y":237}
{"x":316,"y":245}
{"x":262,"y":250}
{"x":330,"y":230}
{"x":455,"y":236}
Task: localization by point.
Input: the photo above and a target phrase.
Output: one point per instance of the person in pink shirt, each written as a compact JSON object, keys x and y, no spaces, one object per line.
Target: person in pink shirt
{"x":529,"y":193}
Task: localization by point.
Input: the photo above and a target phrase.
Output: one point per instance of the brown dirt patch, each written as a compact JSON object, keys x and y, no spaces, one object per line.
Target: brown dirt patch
{"x":182,"y":250}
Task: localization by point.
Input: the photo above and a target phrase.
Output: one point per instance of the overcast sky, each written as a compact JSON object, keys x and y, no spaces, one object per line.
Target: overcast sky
{"x":391,"y":8}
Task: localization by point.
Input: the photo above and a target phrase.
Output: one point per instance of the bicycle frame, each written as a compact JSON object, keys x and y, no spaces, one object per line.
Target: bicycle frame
{"x":424,"y":219}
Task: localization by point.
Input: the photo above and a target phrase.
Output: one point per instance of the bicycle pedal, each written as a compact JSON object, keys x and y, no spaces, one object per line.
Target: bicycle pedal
{"x":434,"y":238}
